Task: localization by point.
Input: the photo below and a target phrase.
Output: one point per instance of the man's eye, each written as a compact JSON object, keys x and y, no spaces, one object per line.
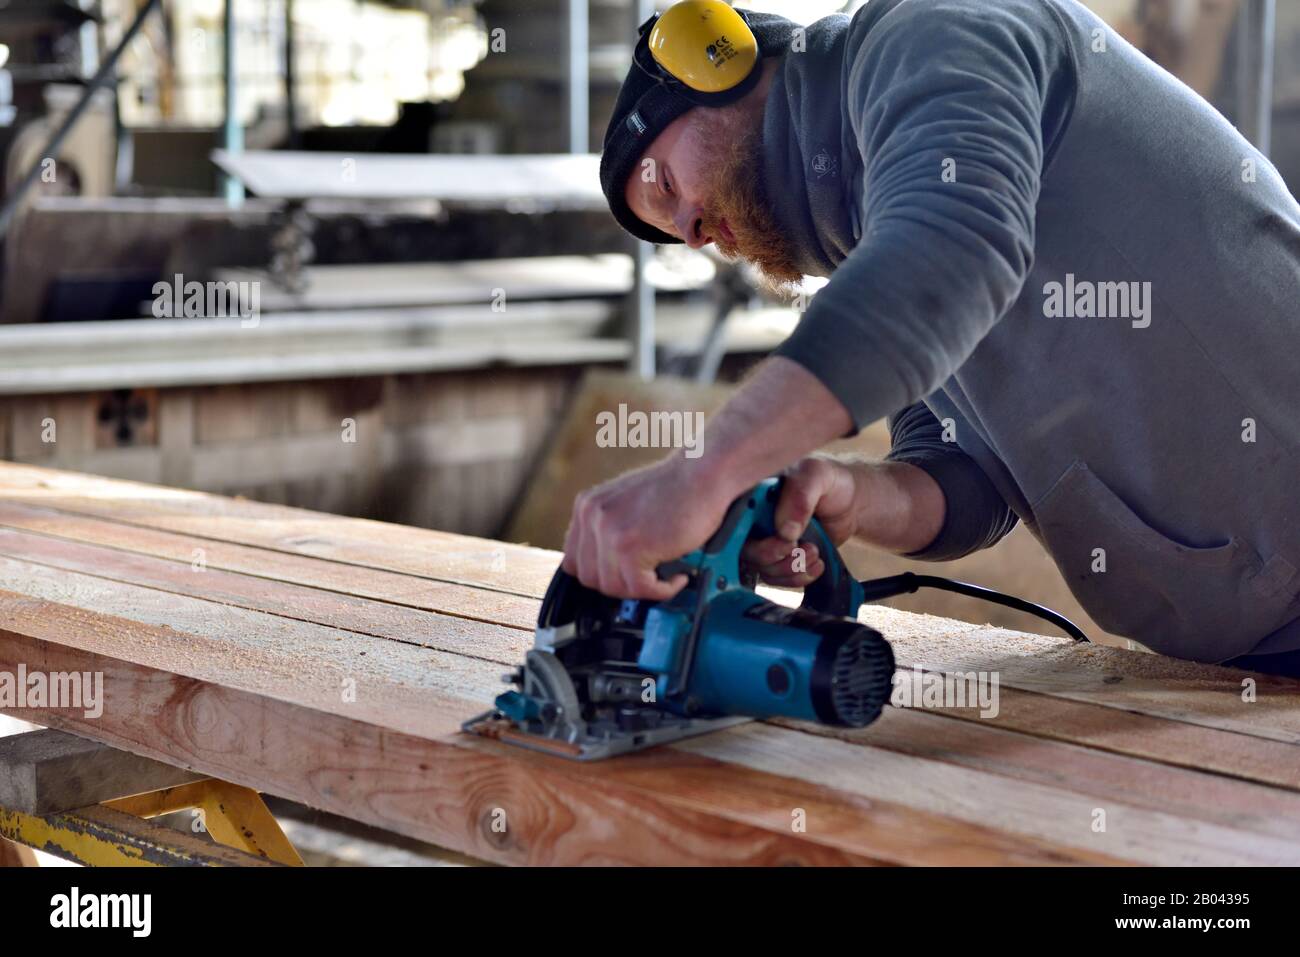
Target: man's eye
{"x":668,"y":187}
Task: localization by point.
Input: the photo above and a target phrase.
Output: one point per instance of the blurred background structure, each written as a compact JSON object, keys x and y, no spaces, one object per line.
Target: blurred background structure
{"x":433,"y":301}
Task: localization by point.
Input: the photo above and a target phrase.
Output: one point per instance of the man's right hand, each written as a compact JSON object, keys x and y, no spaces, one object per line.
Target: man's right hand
{"x":825,"y":488}
{"x":892,"y":505}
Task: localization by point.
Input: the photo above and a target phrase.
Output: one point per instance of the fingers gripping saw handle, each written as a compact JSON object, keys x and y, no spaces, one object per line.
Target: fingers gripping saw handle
{"x":753,"y":515}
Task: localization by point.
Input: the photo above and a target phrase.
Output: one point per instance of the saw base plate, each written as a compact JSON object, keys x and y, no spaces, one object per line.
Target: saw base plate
{"x":491,"y":724}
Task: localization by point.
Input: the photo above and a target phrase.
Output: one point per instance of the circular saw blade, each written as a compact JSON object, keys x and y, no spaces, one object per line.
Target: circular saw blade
{"x":546,"y":679}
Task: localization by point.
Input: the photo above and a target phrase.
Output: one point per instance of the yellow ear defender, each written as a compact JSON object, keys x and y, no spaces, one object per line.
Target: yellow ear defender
{"x":702,"y":49}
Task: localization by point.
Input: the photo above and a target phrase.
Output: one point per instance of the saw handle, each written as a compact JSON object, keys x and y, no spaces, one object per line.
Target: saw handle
{"x":753,"y":515}
{"x":738,"y":513}
{"x":835,"y":591}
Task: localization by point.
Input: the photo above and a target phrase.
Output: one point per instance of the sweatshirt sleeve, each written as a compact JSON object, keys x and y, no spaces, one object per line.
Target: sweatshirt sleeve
{"x":976,"y":516}
{"x":945,"y":98}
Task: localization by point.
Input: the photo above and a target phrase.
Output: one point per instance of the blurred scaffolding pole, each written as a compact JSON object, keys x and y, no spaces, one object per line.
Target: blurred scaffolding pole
{"x":579,"y":77}
{"x":1256,"y":42}
{"x":232,"y":133}
{"x":290,"y":77}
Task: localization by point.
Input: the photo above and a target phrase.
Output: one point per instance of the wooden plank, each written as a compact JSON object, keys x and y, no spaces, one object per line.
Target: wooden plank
{"x":1142,"y":736}
{"x":392,"y":587}
{"x":233,"y":414}
{"x":29,"y":420}
{"x":352,"y":703}
{"x":1114,"y":678}
{"x":43,"y":772}
{"x":1206,"y":695}
{"x":988,"y":746}
{"x":278,"y":669}
{"x":176,"y":428}
{"x":281,"y":348}
{"x":399,"y":685}
{"x":215,"y":635}
{"x":450,"y":788}
{"x":45,"y":344}
{"x":444,"y":556}
{"x":1248,"y":755}
{"x":345,"y":612}
{"x":1114,"y":729}
{"x":76,"y":427}
{"x":1063,"y":817}
{"x":1210,"y":696}
{"x":269,"y":461}
{"x":261,"y":655}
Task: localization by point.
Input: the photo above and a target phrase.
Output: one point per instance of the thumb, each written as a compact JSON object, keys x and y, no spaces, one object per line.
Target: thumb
{"x":801,"y":492}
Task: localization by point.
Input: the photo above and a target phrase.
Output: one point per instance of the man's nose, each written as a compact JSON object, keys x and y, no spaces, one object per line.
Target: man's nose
{"x":690,"y":226}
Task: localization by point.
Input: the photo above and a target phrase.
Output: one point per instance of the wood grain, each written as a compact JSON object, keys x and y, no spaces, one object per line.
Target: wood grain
{"x":989,"y":746}
{"x":447,"y":557}
{"x":1210,"y":696}
{"x":1155,"y":685}
{"x":392,"y":587}
{"x":1065,"y":817}
{"x":463,"y":635}
{"x":331,"y":661}
{"x":653,"y":808}
{"x":1166,"y":740}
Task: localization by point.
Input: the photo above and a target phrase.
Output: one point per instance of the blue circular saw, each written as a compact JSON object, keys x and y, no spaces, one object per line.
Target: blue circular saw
{"x":607,"y":676}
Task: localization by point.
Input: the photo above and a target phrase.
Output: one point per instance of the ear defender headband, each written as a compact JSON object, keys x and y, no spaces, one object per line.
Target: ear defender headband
{"x":702,"y":50}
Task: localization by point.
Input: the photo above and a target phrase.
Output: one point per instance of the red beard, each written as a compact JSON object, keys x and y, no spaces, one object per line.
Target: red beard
{"x":735,"y":188}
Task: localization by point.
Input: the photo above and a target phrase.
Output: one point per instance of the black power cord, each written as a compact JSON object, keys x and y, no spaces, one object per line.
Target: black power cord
{"x":877,"y":589}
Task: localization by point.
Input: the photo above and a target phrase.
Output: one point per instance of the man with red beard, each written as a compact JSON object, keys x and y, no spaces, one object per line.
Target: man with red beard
{"x":1072,"y":286}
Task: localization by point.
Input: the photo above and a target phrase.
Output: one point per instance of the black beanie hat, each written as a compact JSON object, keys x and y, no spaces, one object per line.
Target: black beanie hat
{"x":645,"y":107}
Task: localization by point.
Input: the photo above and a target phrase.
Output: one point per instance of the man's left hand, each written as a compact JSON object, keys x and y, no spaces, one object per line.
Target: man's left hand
{"x":622,"y":530}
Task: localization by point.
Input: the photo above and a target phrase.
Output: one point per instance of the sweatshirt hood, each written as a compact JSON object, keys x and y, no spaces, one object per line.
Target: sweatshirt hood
{"x":804,"y":156}
{"x":812,"y":172}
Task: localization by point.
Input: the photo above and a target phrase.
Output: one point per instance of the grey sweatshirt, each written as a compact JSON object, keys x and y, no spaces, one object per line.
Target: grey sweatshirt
{"x":1081,"y":269}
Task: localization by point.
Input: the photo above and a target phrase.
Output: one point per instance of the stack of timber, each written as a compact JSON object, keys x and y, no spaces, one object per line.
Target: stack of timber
{"x":331,"y":661}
